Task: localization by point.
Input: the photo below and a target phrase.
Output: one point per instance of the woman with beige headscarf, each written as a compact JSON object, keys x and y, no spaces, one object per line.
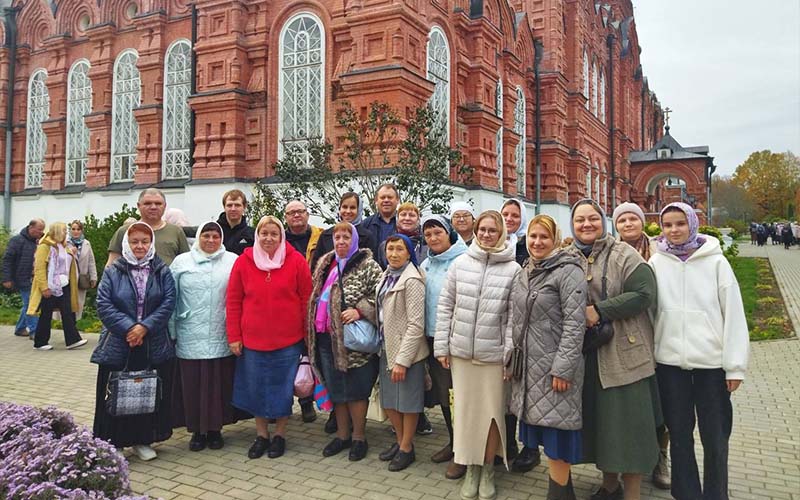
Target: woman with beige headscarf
{"x":473,"y":326}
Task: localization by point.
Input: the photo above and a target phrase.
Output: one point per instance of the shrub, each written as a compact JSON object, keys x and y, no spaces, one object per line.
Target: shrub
{"x":652,"y":229}
{"x":44,"y":455}
{"x":5,"y":235}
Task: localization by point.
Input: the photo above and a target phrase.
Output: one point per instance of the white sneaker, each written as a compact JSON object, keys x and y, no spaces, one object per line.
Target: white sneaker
{"x":144,"y":452}
{"x":46,"y":347}
{"x":77,"y":344}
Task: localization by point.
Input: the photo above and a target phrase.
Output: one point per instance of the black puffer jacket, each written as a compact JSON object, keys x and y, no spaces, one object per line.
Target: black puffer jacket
{"x":18,"y":260}
{"x":236,"y":238}
{"x":116,"y":308}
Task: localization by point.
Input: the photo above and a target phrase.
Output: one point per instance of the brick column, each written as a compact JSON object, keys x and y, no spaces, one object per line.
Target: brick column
{"x":98,"y":168}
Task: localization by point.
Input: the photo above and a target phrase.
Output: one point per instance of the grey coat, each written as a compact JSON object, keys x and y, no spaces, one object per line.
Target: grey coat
{"x":550,"y":331}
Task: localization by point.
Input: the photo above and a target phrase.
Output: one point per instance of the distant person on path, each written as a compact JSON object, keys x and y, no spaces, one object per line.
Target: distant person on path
{"x":462,"y":217}
{"x":135,"y":300}
{"x":84,"y":256}
{"x":18,"y":272}
{"x":702,"y":349}
{"x":204,"y":390}
{"x":383,"y":223}
{"x":787,"y":236}
{"x":236,"y":233}
{"x":170,"y":239}
{"x":55,"y":286}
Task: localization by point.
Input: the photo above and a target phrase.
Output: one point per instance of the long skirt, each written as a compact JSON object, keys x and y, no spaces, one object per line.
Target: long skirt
{"x":619,"y":423}
{"x":559,"y":444}
{"x":353,"y":385}
{"x":264,"y":381}
{"x":202,"y":399}
{"x":136,"y":429}
{"x":478,"y":398}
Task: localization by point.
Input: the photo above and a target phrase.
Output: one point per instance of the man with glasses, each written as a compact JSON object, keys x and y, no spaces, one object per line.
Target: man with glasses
{"x":462,"y":216}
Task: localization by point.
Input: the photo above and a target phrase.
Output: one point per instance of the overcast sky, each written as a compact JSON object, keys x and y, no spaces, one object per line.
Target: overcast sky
{"x":730,"y":71}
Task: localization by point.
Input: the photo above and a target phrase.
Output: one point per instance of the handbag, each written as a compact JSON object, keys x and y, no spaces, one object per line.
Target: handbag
{"x":133,"y":392}
{"x":360,"y":335}
{"x":600,"y":334}
{"x":375,"y":410}
{"x":84,"y":282}
{"x":321,"y":396}
{"x":516,"y":364}
{"x":304,"y":380}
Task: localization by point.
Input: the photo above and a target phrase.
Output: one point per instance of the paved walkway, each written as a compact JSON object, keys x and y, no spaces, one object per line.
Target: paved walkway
{"x":764,"y":457}
{"x":786,"y":266}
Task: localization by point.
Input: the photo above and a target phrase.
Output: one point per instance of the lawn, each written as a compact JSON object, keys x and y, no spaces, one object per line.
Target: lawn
{"x":763,"y":304}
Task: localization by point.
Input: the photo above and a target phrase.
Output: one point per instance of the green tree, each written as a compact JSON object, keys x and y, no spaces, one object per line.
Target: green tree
{"x":731,"y":201}
{"x":770,"y":180}
{"x":372,"y":154}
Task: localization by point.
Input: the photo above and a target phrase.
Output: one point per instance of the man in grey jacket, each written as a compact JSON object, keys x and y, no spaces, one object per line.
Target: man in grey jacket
{"x":18,"y":272}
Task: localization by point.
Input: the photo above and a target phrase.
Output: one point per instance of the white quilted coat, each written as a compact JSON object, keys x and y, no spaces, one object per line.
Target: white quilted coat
{"x":474,"y":314}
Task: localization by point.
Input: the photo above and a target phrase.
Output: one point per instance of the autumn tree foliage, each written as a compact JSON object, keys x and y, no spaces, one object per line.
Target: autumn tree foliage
{"x":771,"y":181}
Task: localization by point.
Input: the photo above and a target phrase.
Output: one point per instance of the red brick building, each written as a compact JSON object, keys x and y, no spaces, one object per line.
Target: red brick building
{"x":198,"y":98}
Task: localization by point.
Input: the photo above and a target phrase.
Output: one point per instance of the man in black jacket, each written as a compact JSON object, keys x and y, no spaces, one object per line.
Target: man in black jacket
{"x":18,"y":271}
{"x":236,"y":234}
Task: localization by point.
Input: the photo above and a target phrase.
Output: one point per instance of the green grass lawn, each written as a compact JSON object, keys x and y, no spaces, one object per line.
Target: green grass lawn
{"x":763,"y":304}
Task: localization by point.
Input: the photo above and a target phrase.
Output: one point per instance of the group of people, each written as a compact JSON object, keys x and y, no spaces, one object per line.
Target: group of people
{"x":601,"y":350}
{"x":786,"y":233}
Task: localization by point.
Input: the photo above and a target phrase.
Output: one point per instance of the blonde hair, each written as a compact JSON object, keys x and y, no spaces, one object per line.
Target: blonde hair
{"x":343,"y":226}
{"x":407,"y":206}
{"x":57,"y":232}
{"x":549,"y":224}
{"x":270,"y":219}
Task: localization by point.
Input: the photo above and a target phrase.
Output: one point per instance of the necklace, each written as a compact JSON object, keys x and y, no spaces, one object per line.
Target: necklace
{"x":268,"y":277}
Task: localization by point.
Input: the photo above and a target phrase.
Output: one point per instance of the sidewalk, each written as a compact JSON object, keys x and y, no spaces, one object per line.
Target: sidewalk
{"x":786,"y":266}
{"x":764,"y":457}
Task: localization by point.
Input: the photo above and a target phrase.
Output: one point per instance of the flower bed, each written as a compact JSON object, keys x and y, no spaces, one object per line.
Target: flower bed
{"x":45,"y":455}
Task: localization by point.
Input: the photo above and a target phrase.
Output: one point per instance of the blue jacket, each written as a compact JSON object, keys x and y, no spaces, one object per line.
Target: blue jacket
{"x":198,"y":323}
{"x":373,"y":224}
{"x":116,"y":308}
{"x":18,"y":260}
{"x":435,"y":267}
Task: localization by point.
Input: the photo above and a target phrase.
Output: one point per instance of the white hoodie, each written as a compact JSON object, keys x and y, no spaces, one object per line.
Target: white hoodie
{"x":700,"y":321}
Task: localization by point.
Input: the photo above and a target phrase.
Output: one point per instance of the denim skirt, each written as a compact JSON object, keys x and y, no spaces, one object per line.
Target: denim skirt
{"x":353,"y":385}
{"x":263,"y":384}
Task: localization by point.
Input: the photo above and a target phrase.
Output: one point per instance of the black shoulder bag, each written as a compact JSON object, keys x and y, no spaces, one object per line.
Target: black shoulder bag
{"x":600,"y":334}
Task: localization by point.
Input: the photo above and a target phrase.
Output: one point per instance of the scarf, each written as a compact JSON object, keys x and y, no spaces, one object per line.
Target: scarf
{"x":58,"y":269}
{"x":198,"y":252}
{"x":695,"y":241}
{"x":391,"y":277}
{"x":553,"y":230}
{"x":262,"y":259}
{"x":642,"y":245}
{"x":127,"y":253}
{"x":77,"y":242}
{"x":523,"y":221}
{"x":411,"y":247}
{"x":322,"y":320}
{"x":359,"y":213}
{"x":585,"y":248}
{"x":441,"y":221}
{"x":498,"y":220}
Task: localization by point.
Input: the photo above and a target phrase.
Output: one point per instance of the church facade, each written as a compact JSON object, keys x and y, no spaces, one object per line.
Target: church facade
{"x":546,"y":99}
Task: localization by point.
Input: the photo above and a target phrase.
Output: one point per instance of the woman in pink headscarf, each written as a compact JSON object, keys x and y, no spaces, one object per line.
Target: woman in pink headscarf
{"x":267,"y":299}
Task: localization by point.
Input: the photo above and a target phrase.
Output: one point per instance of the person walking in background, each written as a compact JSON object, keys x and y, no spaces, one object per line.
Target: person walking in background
{"x":462,"y":217}
{"x":170,"y":239}
{"x":135,"y":300}
{"x":787,"y":235}
{"x":382,"y":224}
{"x":206,"y":364}
{"x":474,"y":322}
{"x":272,"y":281}
{"x":629,"y":220}
{"x":702,"y":350}
{"x":55,"y":286}
{"x":18,"y":272}
{"x":344,"y":285}
{"x":236,"y":233}
{"x":84,"y":258}
{"x":444,"y":246}
{"x":400,"y":306}
{"x":620,"y":392}
{"x":549,"y":326}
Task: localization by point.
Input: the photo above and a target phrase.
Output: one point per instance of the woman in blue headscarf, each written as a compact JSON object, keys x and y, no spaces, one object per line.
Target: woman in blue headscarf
{"x":401,"y":322}
{"x":344,"y":281}
{"x":351,"y":209}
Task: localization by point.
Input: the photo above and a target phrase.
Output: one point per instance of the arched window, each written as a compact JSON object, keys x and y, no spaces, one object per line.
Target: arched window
{"x":586,"y":78}
{"x":35,"y":138}
{"x":438,"y":57}
{"x":498,"y":99}
{"x":124,"y":128}
{"x":594,"y":89}
{"x":301,"y":108}
{"x":499,"y":152}
{"x":519,"y":152}
{"x":79,"y":104}
{"x":177,"y":115}
{"x":597,"y":183}
{"x":602,"y":96}
{"x":589,"y":181}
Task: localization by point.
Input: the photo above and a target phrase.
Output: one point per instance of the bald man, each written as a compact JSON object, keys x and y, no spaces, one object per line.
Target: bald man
{"x":18,"y":272}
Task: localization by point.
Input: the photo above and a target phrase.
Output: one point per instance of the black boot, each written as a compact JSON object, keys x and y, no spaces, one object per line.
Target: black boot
{"x":527,"y":460}
{"x":511,"y":437}
{"x":557,"y":492}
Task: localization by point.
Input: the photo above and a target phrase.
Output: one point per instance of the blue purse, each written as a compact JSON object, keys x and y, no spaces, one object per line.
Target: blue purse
{"x":360,"y":335}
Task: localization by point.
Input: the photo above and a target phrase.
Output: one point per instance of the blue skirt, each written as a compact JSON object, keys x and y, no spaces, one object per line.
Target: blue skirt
{"x":263,"y":384}
{"x":558,"y":444}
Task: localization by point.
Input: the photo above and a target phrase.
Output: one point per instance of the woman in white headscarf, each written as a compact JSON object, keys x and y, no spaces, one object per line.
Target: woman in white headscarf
{"x":515,"y":215}
{"x":135,"y":300}
{"x":267,"y":300}
{"x":203,"y":403}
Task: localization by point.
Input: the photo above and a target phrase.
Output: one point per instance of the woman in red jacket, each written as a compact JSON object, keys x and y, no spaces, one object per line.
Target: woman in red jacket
{"x":267,"y":300}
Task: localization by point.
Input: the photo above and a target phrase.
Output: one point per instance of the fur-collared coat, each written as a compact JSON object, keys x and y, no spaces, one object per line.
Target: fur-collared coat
{"x":360,"y":277}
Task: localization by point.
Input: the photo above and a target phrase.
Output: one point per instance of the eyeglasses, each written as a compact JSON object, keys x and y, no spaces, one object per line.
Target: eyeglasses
{"x":292,"y":213}
{"x":462,"y":216}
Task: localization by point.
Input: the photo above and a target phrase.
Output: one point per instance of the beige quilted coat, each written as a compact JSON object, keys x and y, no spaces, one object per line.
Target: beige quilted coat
{"x":404,"y":319}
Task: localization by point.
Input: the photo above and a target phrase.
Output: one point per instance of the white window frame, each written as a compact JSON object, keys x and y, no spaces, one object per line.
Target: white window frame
{"x":117,"y":174}
{"x":300,"y":141}
{"x":499,"y":153}
{"x":519,"y":152}
{"x":597,"y":183}
{"x":441,"y":91}
{"x":586,"y":78}
{"x":498,"y":98}
{"x":175,"y":160}
{"x":76,"y":164}
{"x":594,"y":88}
{"x":602,"y":95}
{"x":35,"y":138}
